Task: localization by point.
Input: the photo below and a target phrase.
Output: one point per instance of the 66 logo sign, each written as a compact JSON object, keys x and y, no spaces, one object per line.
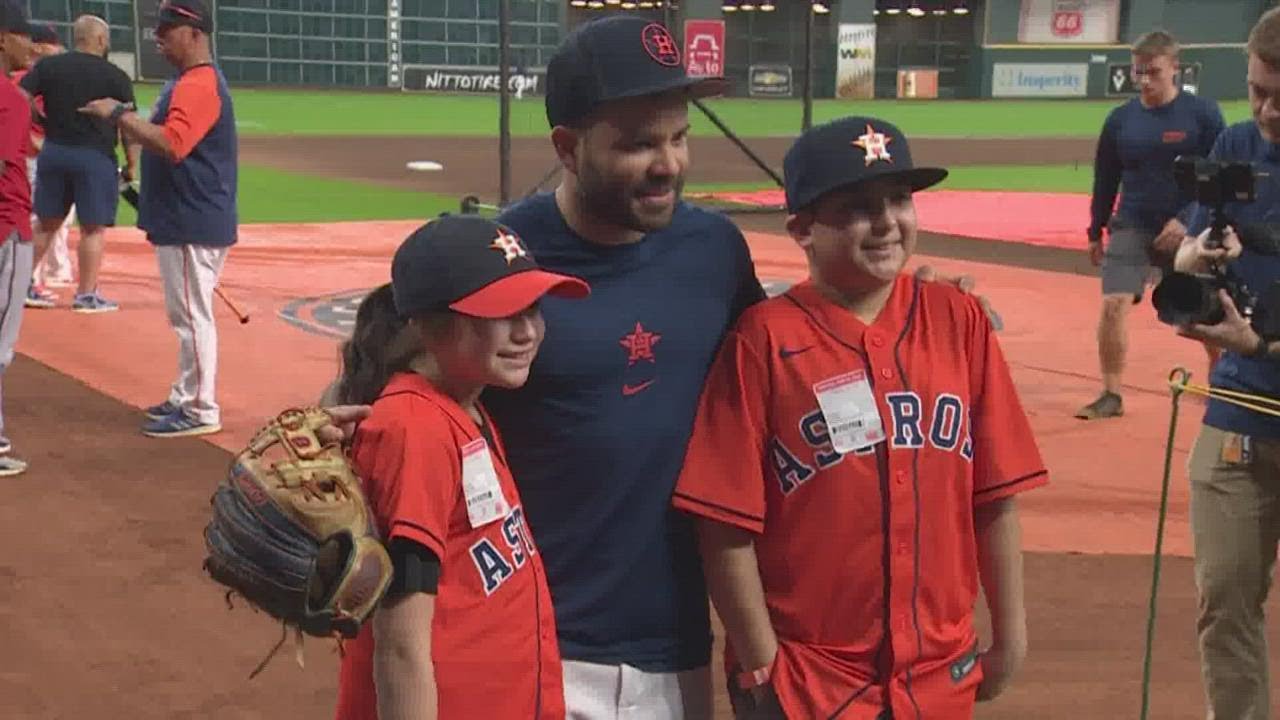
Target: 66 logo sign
{"x":1068,"y":18}
{"x":704,"y":48}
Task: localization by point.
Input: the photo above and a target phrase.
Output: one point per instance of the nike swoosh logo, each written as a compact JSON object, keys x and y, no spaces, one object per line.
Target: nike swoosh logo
{"x":629,"y":390}
{"x":785,"y":353}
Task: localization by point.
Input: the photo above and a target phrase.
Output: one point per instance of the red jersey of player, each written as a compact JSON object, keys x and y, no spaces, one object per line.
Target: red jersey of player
{"x":858,"y":446}
{"x":467,"y":629}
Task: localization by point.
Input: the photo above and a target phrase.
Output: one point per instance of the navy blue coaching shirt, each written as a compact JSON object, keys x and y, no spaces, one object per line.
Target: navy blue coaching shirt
{"x":1137,"y":147}
{"x":597,"y":436}
{"x":1258,"y":376}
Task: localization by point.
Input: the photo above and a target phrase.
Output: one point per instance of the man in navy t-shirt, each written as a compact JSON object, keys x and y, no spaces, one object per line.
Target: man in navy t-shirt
{"x":1136,"y":149}
{"x":597,"y":436}
{"x":1235,"y":464}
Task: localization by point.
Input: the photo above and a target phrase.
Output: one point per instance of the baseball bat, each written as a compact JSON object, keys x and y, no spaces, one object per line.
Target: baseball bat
{"x":130,"y":195}
{"x":242,"y":317}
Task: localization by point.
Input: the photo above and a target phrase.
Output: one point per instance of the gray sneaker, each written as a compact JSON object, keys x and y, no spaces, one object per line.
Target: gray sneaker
{"x":10,"y":466}
{"x":1107,"y":405}
{"x":92,"y":303}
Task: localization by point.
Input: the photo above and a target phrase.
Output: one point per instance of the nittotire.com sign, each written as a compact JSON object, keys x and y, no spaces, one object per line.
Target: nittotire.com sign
{"x":479,"y":80}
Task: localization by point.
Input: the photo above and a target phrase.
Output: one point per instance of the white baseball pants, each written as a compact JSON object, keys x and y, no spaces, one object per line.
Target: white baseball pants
{"x":189,"y":273}
{"x":620,"y":692}
{"x":15,"y":273}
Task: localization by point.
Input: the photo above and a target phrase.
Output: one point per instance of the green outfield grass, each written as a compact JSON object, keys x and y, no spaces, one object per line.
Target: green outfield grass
{"x":299,"y":112}
{"x":1023,"y":178}
{"x":271,"y":196}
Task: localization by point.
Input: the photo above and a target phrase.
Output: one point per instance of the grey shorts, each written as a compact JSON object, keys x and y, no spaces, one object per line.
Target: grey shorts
{"x":1129,"y":261}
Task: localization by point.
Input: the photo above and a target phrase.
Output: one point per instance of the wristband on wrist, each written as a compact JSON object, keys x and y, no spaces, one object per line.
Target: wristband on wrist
{"x":755,"y":678}
{"x":119,"y":111}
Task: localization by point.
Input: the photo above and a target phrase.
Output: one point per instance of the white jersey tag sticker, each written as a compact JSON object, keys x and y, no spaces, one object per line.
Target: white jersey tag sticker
{"x":485,"y":502}
{"x":849,"y":408}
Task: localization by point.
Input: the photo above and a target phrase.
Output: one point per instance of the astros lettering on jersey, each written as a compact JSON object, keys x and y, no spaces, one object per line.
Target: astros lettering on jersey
{"x":493,"y":639}
{"x":867,"y":557}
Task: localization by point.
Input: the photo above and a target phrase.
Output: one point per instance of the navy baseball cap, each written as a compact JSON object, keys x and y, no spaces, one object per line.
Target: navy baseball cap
{"x":192,"y":13}
{"x":473,"y":266}
{"x":846,"y":152}
{"x":44,"y":34}
{"x":13,"y":18}
{"x":616,"y":57}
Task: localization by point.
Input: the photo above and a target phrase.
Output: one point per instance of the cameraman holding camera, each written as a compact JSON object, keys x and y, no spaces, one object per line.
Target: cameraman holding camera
{"x":1235,"y":464}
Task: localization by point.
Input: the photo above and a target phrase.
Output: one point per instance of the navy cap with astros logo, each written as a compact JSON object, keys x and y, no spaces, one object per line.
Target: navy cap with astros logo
{"x":617,"y":57}
{"x":473,"y":266}
{"x":193,"y":13}
{"x":846,"y":152}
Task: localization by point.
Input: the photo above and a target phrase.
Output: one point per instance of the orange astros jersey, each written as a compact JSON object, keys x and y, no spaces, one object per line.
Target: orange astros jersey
{"x":493,"y":637}
{"x":867,"y":556}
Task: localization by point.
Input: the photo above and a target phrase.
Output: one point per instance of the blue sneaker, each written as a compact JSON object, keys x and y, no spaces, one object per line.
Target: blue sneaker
{"x":92,"y":303}
{"x":161,"y":411}
{"x":179,"y":424}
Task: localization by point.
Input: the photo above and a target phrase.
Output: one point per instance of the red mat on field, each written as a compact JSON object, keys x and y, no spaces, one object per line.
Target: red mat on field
{"x":1049,"y":219}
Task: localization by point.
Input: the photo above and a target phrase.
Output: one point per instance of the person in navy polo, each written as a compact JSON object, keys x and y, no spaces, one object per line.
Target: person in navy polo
{"x":1235,"y":463}
{"x":186,"y":206}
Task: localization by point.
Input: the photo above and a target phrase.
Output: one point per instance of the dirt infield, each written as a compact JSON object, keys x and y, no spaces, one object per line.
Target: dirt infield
{"x":471,"y":165}
{"x":106,"y":612}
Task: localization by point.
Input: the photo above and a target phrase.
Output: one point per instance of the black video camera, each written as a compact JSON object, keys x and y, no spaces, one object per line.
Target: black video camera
{"x":1184,"y":299}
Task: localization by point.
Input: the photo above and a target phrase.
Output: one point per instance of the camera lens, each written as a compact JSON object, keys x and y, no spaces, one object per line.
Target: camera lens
{"x":1183,"y":299}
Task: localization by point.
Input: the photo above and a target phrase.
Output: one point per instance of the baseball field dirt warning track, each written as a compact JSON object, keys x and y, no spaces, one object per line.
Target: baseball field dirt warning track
{"x":107,"y":614}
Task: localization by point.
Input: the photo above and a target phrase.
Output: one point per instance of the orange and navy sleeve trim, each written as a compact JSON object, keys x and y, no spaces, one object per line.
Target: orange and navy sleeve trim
{"x":194,"y":108}
{"x":1009,"y":488}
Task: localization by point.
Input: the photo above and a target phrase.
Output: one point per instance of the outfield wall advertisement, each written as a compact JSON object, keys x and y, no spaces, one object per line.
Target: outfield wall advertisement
{"x":856,"y":61}
{"x":1040,"y":80}
{"x":1069,"y":21}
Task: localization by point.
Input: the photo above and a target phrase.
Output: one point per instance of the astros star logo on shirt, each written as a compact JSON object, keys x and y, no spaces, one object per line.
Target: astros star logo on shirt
{"x":639,"y":344}
{"x":876,"y":144}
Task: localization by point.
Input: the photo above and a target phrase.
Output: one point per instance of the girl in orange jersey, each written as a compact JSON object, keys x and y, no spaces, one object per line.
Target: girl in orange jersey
{"x":467,"y":628}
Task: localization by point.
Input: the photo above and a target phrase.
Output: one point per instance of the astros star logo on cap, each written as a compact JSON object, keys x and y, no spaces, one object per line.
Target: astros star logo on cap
{"x":660,"y":45}
{"x":509,"y":245}
{"x":876,"y":144}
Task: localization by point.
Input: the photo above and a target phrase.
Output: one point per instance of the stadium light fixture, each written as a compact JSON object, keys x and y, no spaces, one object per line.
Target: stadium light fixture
{"x":939,"y":11}
{"x":893,"y":9}
{"x":628,"y":5}
{"x":578,"y":3}
{"x":961,"y":9}
{"x":821,"y":8}
{"x":647,"y":4}
{"x":730,"y":6}
{"x":768,"y":6}
{"x":595,"y":4}
{"x":914,"y":10}
{"x":612,"y":2}
{"x":747,"y":6}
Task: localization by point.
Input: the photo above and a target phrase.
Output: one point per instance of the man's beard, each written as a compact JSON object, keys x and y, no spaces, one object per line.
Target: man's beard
{"x":613,"y":202}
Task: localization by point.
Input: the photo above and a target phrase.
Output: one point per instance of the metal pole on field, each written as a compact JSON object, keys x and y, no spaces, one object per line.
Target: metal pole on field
{"x":504,"y":102}
{"x":807,"y":122}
